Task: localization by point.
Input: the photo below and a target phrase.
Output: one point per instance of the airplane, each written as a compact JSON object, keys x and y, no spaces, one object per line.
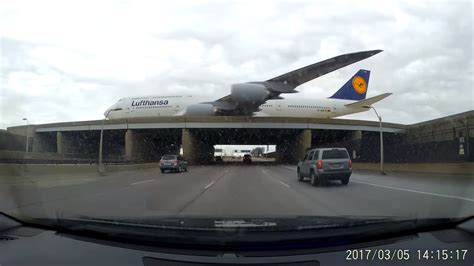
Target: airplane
{"x":263,"y":98}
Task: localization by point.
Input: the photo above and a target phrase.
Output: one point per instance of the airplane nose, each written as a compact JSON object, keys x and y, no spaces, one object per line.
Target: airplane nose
{"x":107,"y":112}
{"x":112,"y":109}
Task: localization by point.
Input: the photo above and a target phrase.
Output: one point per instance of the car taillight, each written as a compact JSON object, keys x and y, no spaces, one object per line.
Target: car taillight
{"x":161,"y":161}
{"x":174,"y":161}
{"x":350,"y":163}
{"x":319,"y":164}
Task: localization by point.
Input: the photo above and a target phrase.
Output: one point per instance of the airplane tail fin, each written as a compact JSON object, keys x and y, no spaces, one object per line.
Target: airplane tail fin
{"x":369,"y":101}
{"x":355,"y":88}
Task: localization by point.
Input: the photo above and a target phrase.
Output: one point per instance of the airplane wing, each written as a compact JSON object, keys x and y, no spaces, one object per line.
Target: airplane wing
{"x":245,"y":98}
{"x":307,"y":73}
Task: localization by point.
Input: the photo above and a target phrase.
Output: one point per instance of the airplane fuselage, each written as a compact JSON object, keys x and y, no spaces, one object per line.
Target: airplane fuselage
{"x":156,"y":106}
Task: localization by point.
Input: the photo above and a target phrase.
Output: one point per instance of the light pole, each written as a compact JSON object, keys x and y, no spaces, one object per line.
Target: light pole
{"x":101,"y":168}
{"x":27,"y":132}
{"x":381,"y":138}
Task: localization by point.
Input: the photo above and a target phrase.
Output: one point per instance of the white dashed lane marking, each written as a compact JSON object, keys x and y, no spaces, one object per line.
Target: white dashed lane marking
{"x":141,"y":182}
{"x":209,"y":185}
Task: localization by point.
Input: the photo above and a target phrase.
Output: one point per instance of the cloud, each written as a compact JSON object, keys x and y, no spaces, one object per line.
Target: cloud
{"x":72,"y":61}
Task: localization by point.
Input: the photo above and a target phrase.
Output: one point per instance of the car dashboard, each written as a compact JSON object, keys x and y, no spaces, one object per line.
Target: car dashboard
{"x":26,"y":245}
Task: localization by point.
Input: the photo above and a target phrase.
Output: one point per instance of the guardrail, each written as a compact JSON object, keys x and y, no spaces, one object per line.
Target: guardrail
{"x":21,"y":157}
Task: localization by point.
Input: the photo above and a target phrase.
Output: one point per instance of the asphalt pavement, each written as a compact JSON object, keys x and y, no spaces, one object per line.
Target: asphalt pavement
{"x":237,"y":191}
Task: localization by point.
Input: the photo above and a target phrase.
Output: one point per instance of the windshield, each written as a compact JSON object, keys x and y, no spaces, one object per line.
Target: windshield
{"x":235,"y":111}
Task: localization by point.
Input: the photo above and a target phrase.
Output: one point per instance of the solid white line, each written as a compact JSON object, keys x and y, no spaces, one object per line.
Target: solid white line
{"x":415,"y":191}
{"x":133,"y":184}
{"x":209,"y":185}
{"x":402,"y":189}
{"x":283,"y":183}
{"x":276,"y":179}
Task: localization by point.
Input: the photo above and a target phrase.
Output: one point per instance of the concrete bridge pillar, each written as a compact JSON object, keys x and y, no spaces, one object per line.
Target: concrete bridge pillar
{"x":355,"y":140}
{"x":196,"y":149}
{"x":39,"y":144}
{"x":303,"y":143}
{"x":132,"y":145}
{"x":62,"y":143}
{"x":191,"y":146}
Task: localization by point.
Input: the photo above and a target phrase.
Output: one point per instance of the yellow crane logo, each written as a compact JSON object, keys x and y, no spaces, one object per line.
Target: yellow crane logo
{"x":359,"y":84}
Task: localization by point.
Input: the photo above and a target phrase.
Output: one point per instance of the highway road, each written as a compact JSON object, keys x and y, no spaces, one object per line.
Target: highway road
{"x":237,"y":190}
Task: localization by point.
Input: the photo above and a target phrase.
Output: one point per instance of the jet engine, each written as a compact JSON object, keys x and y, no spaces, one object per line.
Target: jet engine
{"x":248,"y":94}
{"x":202,"y":109}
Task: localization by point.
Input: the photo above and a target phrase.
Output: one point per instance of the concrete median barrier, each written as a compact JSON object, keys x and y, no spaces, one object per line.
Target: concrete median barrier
{"x":28,"y":170}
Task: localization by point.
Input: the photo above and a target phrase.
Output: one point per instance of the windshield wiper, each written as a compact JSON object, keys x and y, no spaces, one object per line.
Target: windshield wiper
{"x":296,"y":223}
{"x":252,"y":233}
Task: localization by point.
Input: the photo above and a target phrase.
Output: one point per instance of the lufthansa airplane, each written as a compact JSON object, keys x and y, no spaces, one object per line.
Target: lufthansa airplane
{"x":263,"y":98}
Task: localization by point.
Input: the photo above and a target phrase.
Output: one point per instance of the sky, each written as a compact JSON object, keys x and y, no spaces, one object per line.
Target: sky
{"x":70,"y":60}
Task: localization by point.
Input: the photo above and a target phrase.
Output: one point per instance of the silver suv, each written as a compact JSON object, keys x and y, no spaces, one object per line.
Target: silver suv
{"x":325,"y":164}
{"x":174,"y":163}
